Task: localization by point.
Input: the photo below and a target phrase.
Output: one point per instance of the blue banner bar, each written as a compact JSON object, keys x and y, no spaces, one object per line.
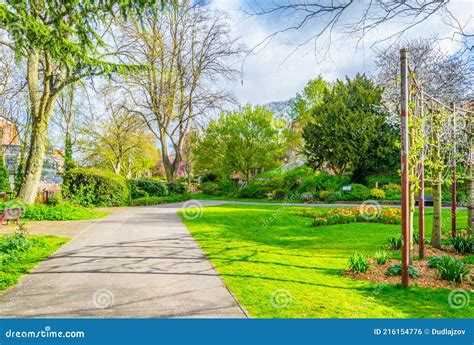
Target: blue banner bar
{"x":223,"y":331}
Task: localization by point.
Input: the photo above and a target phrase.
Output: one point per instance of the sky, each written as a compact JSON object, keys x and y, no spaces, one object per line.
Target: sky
{"x":278,"y":72}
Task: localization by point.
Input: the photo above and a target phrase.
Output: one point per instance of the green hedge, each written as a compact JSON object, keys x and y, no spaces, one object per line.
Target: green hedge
{"x":92,"y":187}
{"x":140,"y":188}
{"x":160,"y":200}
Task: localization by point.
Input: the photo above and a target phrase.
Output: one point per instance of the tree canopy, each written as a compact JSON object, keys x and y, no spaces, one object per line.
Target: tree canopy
{"x":348,"y":130}
{"x":243,"y":142}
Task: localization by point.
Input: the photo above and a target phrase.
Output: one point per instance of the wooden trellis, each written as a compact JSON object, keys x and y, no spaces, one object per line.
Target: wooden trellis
{"x":430,"y":128}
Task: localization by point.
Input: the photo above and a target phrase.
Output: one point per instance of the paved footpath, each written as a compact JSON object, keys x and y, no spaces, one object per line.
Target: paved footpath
{"x":138,"y":262}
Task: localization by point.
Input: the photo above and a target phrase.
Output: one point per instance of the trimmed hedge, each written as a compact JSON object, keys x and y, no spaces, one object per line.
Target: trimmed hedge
{"x":92,"y":187}
{"x":142,"y":188}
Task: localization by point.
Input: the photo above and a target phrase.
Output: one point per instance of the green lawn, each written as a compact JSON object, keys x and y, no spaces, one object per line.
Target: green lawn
{"x":18,"y":255}
{"x":301,"y":266}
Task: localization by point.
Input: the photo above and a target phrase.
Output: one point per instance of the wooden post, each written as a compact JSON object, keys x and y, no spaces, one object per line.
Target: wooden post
{"x":404,"y":165}
{"x":453,"y":185}
{"x":421,"y":194}
{"x":469,"y":178}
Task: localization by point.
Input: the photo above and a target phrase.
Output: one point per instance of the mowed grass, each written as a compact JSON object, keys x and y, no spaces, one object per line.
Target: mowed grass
{"x":288,"y":268}
{"x":17,"y":260}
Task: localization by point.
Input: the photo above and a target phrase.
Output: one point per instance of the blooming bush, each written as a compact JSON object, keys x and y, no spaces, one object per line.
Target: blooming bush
{"x":377,"y":193}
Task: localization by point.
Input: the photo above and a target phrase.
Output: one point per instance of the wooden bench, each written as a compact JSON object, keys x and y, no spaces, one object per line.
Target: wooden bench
{"x":428,"y":200}
{"x":11,"y":214}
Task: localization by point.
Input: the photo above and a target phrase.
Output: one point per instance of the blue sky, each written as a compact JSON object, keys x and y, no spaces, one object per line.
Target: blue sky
{"x":278,"y":71}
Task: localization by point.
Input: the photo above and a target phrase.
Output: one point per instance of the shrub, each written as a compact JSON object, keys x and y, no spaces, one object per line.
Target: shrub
{"x":377,"y":193}
{"x":65,"y":211}
{"x":54,"y":201}
{"x":293,"y":178}
{"x":307,"y":197}
{"x":227,"y":188}
{"x":357,"y":192}
{"x":452,"y":269}
{"x":322,"y":181}
{"x":434,"y":261}
{"x":392,"y":188}
{"x":381,"y":256}
{"x":176,"y":188}
{"x":462,"y":243}
{"x":279,"y":194}
{"x":92,"y":187}
{"x":396,"y":270}
{"x":210,"y":188}
{"x":358,"y":263}
{"x":160,"y":200}
{"x":13,"y":243}
{"x":382,"y":180}
{"x":394,"y":243}
{"x":324,"y":195}
{"x":255,"y":190}
{"x":145,"y":187}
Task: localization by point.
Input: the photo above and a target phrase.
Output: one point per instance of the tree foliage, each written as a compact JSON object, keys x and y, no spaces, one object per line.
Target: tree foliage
{"x":121,"y":144}
{"x":61,"y":42}
{"x":348,"y":130}
{"x":242,"y":142}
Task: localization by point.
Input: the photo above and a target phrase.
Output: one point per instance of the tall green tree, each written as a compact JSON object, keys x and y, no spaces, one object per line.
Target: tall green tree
{"x":244,"y":142}
{"x":61,"y":42}
{"x":348,"y":130}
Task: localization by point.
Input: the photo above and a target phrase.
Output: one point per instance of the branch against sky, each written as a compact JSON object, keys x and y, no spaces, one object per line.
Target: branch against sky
{"x":385,"y":20}
{"x":188,"y":52}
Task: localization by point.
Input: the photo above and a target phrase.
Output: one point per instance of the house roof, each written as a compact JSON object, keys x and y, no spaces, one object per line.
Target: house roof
{"x":8,"y":132}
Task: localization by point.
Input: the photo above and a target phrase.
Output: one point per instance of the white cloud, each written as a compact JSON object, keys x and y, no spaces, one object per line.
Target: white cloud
{"x":274,"y":73}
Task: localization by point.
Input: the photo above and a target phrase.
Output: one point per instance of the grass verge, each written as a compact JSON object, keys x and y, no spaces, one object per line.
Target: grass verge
{"x":19,"y":254}
{"x":279,"y":266}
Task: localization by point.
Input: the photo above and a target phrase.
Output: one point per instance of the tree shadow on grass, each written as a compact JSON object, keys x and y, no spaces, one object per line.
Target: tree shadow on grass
{"x":416,"y":302}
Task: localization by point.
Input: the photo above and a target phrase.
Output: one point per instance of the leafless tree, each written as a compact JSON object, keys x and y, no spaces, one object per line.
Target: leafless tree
{"x":186,"y":52}
{"x":358,"y":18}
{"x":448,"y":78}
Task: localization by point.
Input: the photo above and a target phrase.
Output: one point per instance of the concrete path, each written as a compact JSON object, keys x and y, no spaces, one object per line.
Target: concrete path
{"x":138,"y":262}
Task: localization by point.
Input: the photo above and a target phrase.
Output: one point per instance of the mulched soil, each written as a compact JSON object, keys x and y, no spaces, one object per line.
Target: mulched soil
{"x":429,"y":277}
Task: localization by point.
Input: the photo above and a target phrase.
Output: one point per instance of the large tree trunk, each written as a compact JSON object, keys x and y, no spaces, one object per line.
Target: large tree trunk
{"x":36,"y":153}
{"x":171,"y":168}
{"x":41,"y":107}
{"x":469,"y":177}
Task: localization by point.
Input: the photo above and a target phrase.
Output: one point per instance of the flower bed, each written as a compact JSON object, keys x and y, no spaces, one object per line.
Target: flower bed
{"x":352,"y":214}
